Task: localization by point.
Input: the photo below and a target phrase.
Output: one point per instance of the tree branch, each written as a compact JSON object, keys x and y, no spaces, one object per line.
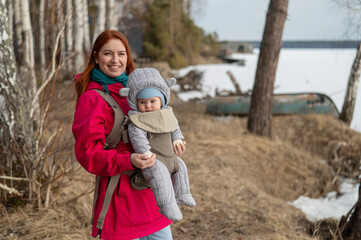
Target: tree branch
{"x":10,"y":190}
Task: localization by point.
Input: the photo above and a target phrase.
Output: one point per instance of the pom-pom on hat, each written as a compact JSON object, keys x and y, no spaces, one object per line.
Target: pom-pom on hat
{"x":151,"y":92}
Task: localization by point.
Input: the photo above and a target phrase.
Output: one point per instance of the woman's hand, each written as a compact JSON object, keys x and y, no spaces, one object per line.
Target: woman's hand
{"x":142,"y":161}
{"x":179,"y":147}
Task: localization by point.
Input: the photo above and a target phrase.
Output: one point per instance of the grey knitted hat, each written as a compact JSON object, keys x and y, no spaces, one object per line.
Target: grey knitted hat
{"x":142,"y":78}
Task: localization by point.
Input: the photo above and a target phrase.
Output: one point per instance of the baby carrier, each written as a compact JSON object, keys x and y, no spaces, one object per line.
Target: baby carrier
{"x":118,"y":132}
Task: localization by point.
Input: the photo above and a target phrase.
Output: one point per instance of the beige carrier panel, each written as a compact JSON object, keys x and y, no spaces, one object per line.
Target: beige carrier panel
{"x":161,"y":121}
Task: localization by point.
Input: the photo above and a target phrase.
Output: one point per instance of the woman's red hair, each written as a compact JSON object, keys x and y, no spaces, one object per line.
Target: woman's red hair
{"x":82,"y":81}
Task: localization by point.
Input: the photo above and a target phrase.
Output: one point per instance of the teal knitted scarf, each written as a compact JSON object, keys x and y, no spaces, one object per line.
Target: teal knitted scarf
{"x":99,"y":77}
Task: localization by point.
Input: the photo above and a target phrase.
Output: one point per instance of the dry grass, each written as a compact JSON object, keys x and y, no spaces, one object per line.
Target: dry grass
{"x":325,"y":136}
{"x":65,"y":219}
{"x":241,"y":182}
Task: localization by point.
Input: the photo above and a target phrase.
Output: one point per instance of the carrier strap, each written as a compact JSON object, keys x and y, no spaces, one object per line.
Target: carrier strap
{"x":116,"y":133}
{"x":111,"y":141}
{"x":95,"y":197}
{"x":108,"y":196}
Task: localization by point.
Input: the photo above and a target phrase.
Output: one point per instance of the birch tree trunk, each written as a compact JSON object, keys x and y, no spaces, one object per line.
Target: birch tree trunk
{"x":112,"y":16}
{"x":27,"y":73}
{"x":51,"y":20}
{"x":69,"y":35}
{"x":79,"y":36}
{"x":260,"y":114}
{"x":7,"y":81}
{"x":15,"y":133}
{"x":10,"y":17}
{"x":42,"y":37}
{"x":87,"y":45}
{"x":27,"y":70}
{"x":61,"y":24}
{"x":351,"y":92}
{"x":100,"y":20}
{"x":24,"y":152}
{"x":7,"y":72}
{"x":18,"y":29}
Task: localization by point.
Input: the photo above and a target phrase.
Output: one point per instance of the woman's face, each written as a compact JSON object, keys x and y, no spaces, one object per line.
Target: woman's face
{"x":112,"y":58}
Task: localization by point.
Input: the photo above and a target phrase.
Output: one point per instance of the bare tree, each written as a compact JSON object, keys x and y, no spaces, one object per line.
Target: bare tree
{"x":350,"y":225}
{"x":27,"y":66}
{"x":60,"y":24}
{"x":99,"y":25}
{"x":79,"y":35}
{"x":260,"y":114}
{"x":69,"y":35}
{"x":18,"y":27}
{"x":112,"y":15}
{"x":14,"y":110}
{"x":42,"y":37}
{"x":86,"y":26}
{"x":10,"y":17}
{"x":353,"y":11}
{"x":30,"y":162}
{"x":351,"y":92}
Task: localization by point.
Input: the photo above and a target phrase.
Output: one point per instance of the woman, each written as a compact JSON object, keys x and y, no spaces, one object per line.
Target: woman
{"x":132,"y":213}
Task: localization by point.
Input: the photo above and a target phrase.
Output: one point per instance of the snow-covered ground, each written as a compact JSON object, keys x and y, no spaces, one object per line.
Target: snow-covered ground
{"x":332,"y":206}
{"x":299,"y":70}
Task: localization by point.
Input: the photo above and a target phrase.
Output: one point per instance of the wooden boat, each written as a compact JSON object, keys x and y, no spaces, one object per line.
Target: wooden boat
{"x":287,"y":103}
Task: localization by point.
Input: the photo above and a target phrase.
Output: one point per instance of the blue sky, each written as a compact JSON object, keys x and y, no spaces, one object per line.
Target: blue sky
{"x":245,"y":19}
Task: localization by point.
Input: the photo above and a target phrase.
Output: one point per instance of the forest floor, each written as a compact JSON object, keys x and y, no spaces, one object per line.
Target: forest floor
{"x":242,"y":183}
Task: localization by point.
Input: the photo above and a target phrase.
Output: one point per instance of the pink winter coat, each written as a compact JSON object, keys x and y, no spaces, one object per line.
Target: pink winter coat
{"x":132,"y":213}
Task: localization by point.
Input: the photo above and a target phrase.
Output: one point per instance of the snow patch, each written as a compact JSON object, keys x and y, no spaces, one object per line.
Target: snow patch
{"x":332,"y":206}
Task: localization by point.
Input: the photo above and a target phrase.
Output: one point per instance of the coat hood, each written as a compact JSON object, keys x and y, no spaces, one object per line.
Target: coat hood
{"x":146,"y":78}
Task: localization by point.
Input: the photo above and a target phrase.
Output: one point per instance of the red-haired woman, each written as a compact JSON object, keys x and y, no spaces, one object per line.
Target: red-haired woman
{"x":132,"y":213}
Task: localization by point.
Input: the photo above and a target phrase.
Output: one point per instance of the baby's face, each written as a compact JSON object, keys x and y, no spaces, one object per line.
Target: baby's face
{"x":149,"y":104}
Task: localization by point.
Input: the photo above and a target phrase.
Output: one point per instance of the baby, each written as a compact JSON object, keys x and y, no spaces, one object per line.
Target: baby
{"x":154,"y":129}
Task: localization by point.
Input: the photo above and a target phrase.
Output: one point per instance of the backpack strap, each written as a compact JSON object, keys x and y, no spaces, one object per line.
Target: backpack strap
{"x":117,"y":133}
